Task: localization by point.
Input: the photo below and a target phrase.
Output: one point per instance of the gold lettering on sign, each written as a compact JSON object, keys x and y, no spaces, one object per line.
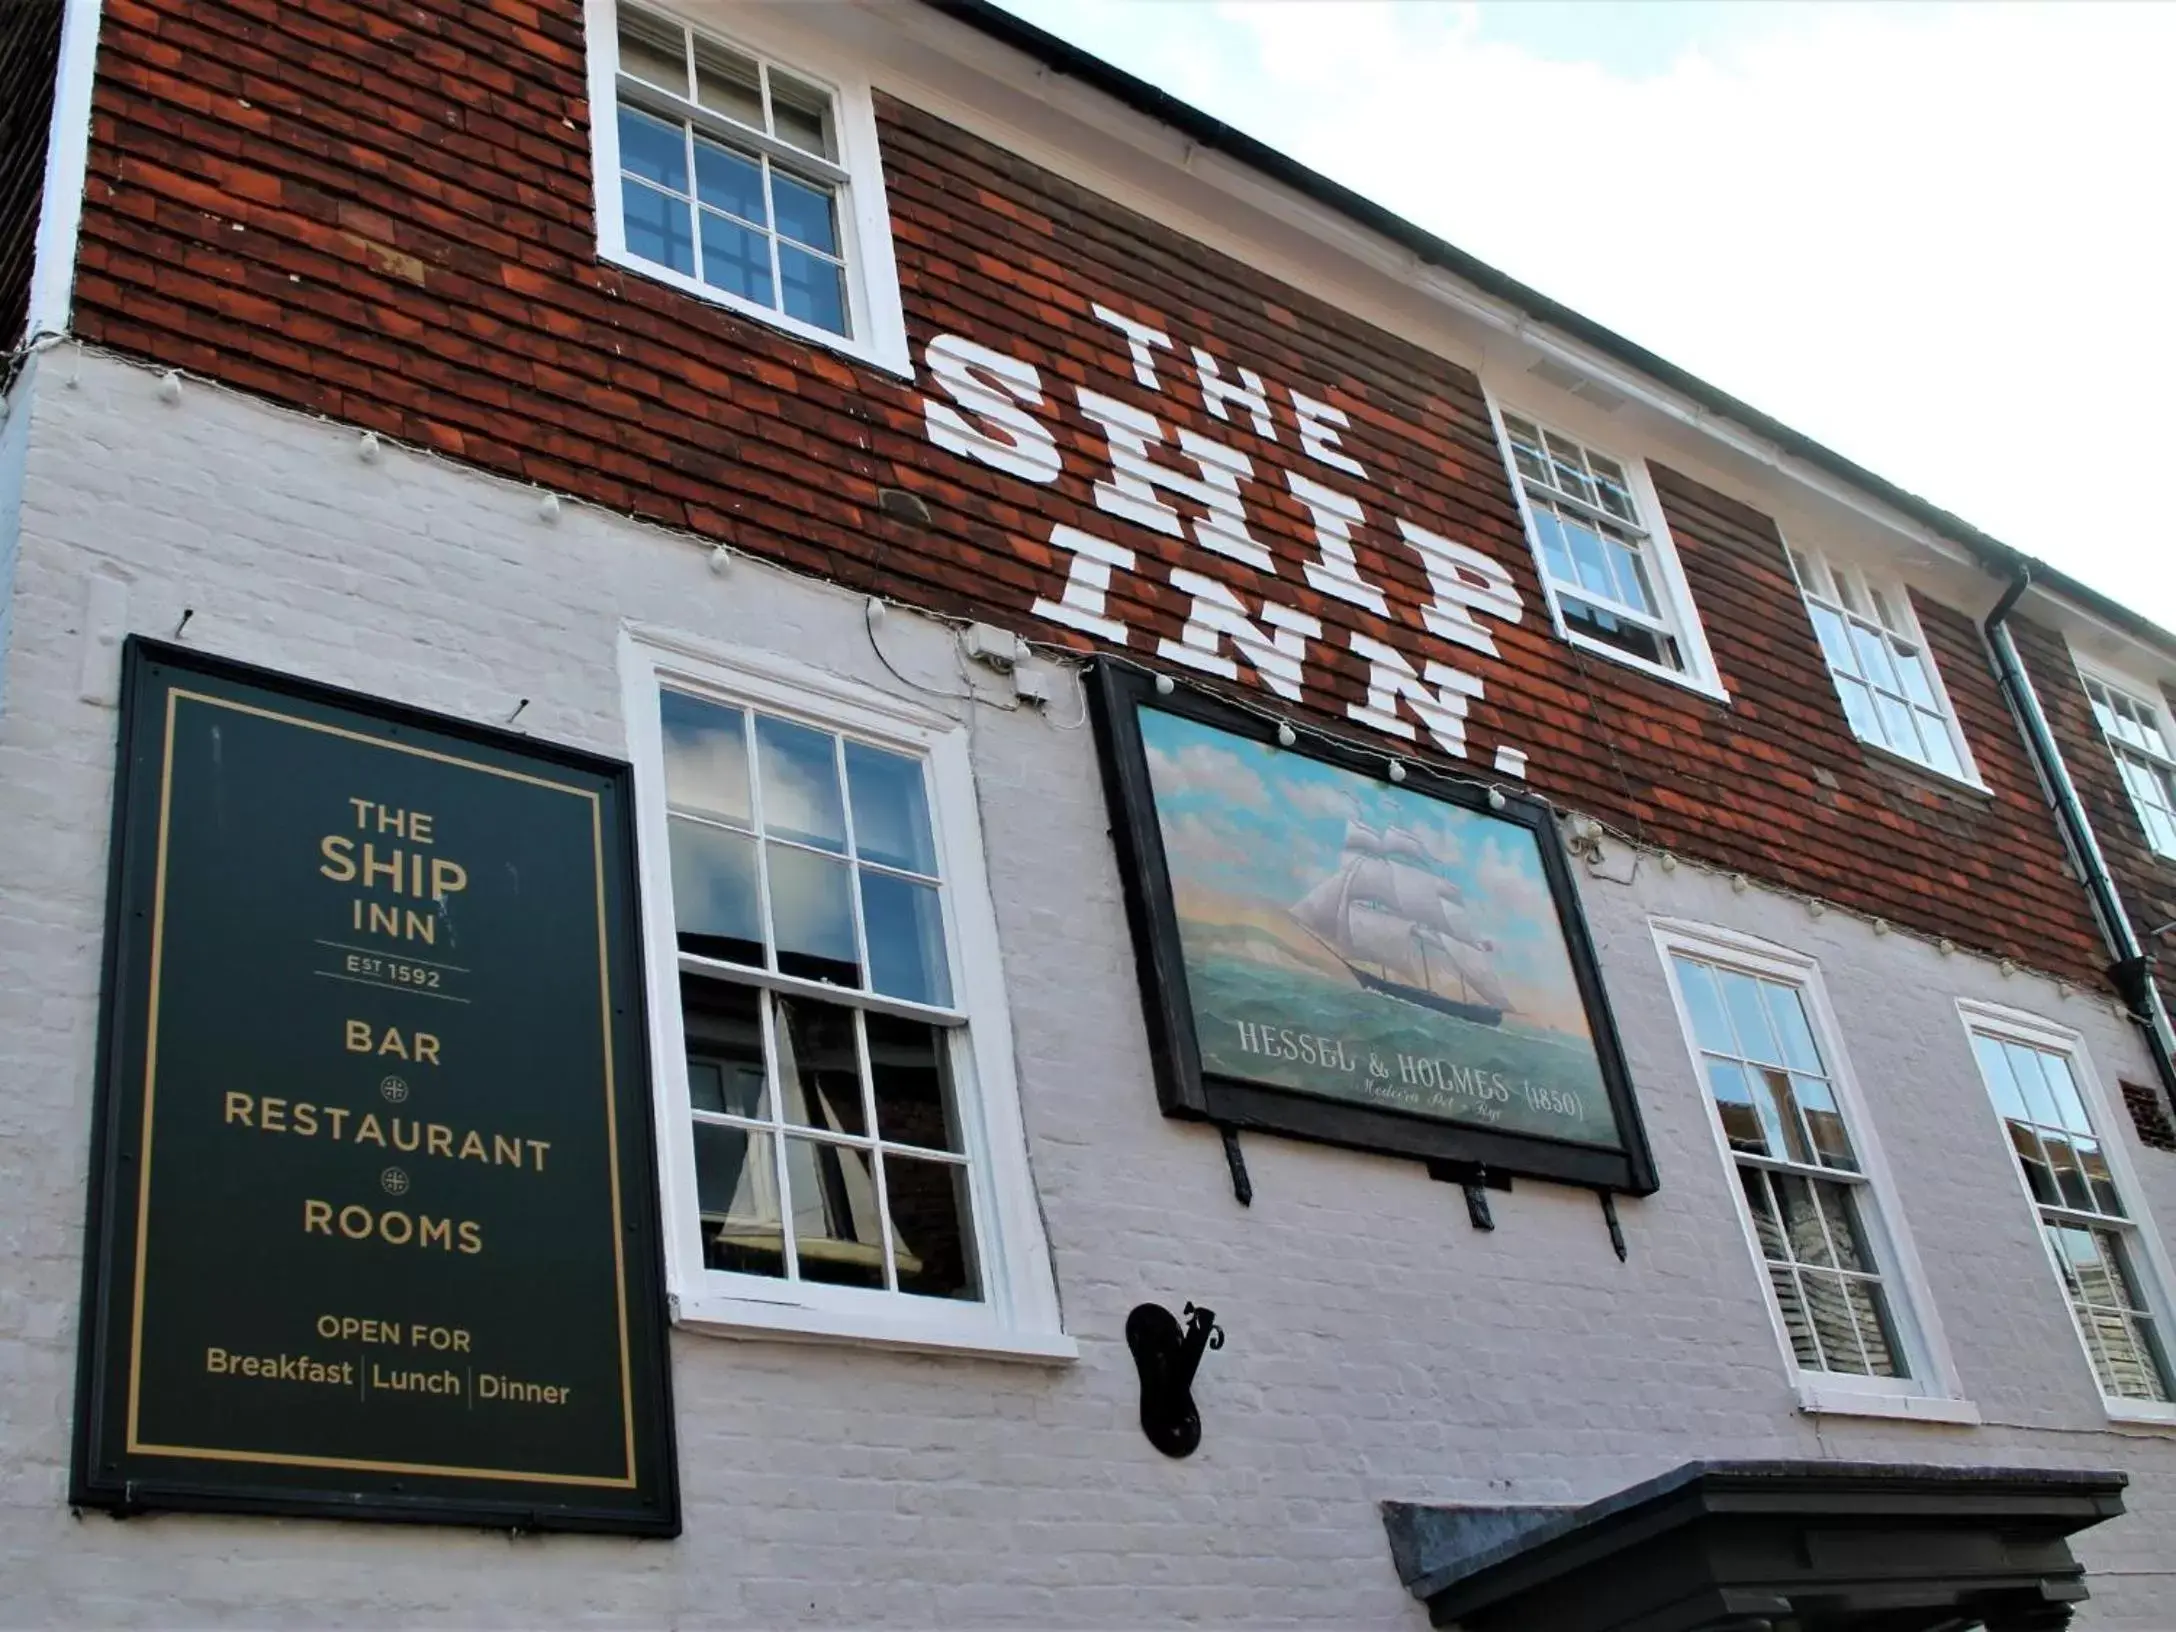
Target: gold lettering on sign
{"x":396,"y":869}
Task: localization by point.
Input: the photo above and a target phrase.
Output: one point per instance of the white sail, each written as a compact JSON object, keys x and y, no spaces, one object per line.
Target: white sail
{"x":1321,"y":911}
{"x":1386,"y":941}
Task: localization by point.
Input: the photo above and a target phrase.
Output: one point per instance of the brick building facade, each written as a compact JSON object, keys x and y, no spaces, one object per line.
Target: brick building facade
{"x":379,"y":361}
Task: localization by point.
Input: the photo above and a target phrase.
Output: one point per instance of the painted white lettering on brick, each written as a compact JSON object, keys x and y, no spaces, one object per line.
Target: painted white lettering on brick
{"x":1216,"y":391}
{"x":1088,"y":585}
{"x":1465,"y":582}
{"x":1140,"y":339}
{"x":1337,"y":573}
{"x":1130,"y":490}
{"x":1316,"y":436}
{"x":1392,"y":682}
{"x":1275,"y":648}
{"x":991,"y":386}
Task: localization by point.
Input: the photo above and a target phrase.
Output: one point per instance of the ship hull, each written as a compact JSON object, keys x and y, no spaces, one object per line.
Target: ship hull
{"x":1479,"y":1013}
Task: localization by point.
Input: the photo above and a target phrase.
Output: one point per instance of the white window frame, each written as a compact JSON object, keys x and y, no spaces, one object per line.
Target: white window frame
{"x":2151,"y":1258}
{"x":1018,"y":1317}
{"x":1679,"y":612}
{"x":874,"y":313}
{"x":1899,"y":598}
{"x":2147,"y":697}
{"x":1932,"y":1392}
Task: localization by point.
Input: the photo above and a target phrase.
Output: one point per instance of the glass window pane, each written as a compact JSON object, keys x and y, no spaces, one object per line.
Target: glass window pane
{"x":819,"y":1066}
{"x":910,"y":1071}
{"x":657,"y":226}
{"x":932,"y":1227}
{"x":2095,"y":1163}
{"x":1801,"y":1220}
{"x":1995,"y":1068}
{"x":654,"y":50}
{"x":905,"y":926}
{"x":1835,"y":1321}
{"x":1941,"y":748}
{"x":1742,"y":1124}
{"x":813,"y":288}
{"x":1825,"y":1122}
{"x":1710,"y":1026}
{"x":1796,"y":1320}
{"x":1554,"y":551}
{"x":706,"y":757}
{"x":1567,"y":470}
{"x":737,"y":259}
{"x":1859,"y":709}
{"x":1589,"y":559}
{"x":1631,"y":577}
{"x":800,"y":784}
{"x":1911,"y":668}
{"x":805,"y":213}
{"x":730,"y":181}
{"x":737,"y":1191}
{"x":1766,"y":1225}
{"x":1749,"y":1017}
{"x":714,"y":901}
{"x":812,"y":917}
{"x":2039,"y":1176}
{"x":2032,"y":1083}
{"x":837,"y":1229}
{"x":1870,"y":1315}
{"x":1898,"y":733}
{"x":2063,"y":1088}
{"x":1840,"y":1212}
{"x":1787,"y":1012}
{"x":1873,"y":656}
{"x":891,"y":809}
{"x":1828,"y":628}
{"x":801,"y":114}
{"x":2069,"y":1177}
{"x":724,"y":1028}
{"x":1778,"y":1105}
{"x":726,"y":82}
{"x":653,"y":150}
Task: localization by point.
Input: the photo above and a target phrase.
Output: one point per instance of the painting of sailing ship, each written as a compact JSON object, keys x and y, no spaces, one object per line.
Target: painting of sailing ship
{"x":1357,"y":940}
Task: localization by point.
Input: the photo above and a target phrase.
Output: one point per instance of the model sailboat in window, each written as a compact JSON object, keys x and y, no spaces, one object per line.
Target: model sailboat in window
{"x":1401,"y":928}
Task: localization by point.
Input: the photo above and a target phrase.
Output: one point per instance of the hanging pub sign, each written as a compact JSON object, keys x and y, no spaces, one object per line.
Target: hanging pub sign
{"x":1392,"y":966}
{"x":373,"y":1225}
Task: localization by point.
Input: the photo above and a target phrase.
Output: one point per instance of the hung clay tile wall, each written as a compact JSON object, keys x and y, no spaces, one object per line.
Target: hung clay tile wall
{"x":381,"y":211}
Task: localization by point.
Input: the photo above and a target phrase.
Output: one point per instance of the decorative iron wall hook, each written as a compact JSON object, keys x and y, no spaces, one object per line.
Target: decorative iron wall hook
{"x":1167,"y":1358}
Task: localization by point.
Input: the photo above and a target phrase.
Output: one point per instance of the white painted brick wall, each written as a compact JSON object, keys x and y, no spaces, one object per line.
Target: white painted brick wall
{"x":1379,"y":1346}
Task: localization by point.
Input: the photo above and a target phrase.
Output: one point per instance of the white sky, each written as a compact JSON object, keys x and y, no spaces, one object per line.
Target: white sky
{"x":1939,"y":238}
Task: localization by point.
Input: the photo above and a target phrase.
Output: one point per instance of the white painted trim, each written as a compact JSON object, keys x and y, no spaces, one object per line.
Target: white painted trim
{"x":1682,"y":615}
{"x":2110,"y":1124}
{"x":1933,"y":1383}
{"x":872,"y":273}
{"x":67,"y":159}
{"x":1019,"y":1316}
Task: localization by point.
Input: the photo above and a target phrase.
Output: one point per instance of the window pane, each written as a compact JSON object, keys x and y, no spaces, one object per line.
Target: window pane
{"x":812,"y":917}
{"x":657,"y":227}
{"x":1801,"y":1220}
{"x":1840,"y":1214}
{"x":800,"y":784}
{"x":730,"y":181}
{"x":1897,"y":731}
{"x":1554,"y":550}
{"x":837,"y":1230}
{"x":1615,"y":493}
{"x":1749,"y":1017}
{"x":932,"y":1227}
{"x":1710,"y":1027}
{"x":1567,"y":471}
{"x":1631,"y":577}
{"x":1995,"y":1068}
{"x":1766,"y":1225}
{"x":905,"y":926}
{"x":1870,"y":1316}
{"x":819,"y":1066}
{"x":910,"y":1071}
{"x":714,"y":901}
{"x":1641,"y":641}
{"x":1873,"y":656}
{"x":726,"y":82}
{"x":2039,"y":1176}
{"x":2069,"y":1177}
{"x":1941,"y":749}
{"x":804,"y":213}
{"x":1787,"y":1012}
{"x":1796,"y":1319}
{"x":2095,"y":1162}
{"x":801,"y":114}
{"x":891,"y":809}
{"x":814,"y":291}
{"x":1835,"y":1321}
{"x":706,"y":757}
{"x":1859,"y":709}
{"x":1778,"y":1105}
{"x":2063,"y":1088}
{"x":736,"y":258}
{"x":1835,"y":643}
{"x":654,"y":50}
{"x":724,"y":1029}
{"x":1734,"y":1100}
{"x":652,"y":150}
{"x":1589,"y":559}
{"x":1911,"y":668}
{"x":737,"y":1191}
{"x":2025,"y":1067}
{"x":1825,"y":1122}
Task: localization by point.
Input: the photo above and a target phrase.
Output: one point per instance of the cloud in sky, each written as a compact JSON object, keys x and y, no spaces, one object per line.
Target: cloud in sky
{"x":1936,"y":237}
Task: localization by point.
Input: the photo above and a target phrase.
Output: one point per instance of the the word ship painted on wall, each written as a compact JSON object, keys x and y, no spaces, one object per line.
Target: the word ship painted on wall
{"x":990,"y":417}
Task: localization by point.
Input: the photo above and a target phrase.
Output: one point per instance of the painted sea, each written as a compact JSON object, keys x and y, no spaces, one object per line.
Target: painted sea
{"x":1297,"y":883}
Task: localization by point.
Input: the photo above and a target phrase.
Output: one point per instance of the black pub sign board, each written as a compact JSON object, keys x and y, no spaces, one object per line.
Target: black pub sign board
{"x":1325,"y":952}
{"x":373,"y":1225}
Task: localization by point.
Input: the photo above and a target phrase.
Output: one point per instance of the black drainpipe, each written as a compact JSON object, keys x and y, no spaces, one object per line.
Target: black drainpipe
{"x":2132,"y":972}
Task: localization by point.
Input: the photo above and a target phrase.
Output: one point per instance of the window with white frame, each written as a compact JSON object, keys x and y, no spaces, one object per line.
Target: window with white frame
{"x":1884,"y":673}
{"x":2092,"y":1237}
{"x":744,"y":179}
{"x":1611,"y":577}
{"x":1809,"y":1197}
{"x":2136,"y":729}
{"x":841,"y":1118}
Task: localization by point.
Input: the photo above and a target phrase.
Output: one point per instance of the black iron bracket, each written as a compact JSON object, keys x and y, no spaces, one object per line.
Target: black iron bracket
{"x":1167,"y":1359}
{"x":1236,"y":1160}
{"x":1477,"y":1181}
{"x":1616,"y":1230}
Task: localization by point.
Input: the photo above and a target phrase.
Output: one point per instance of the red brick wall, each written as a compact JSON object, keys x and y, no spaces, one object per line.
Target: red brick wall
{"x":29,"y":50}
{"x":381,"y":210}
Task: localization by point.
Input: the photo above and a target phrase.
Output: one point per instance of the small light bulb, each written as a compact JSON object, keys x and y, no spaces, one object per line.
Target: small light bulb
{"x":1946,"y":946}
{"x":1286,"y":736}
{"x":1739,"y":883}
{"x":1164,"y":686}
{"x":1881,"y":926}
{"x":1669,"y":862}
{"x":366,"y":449}
{"x":721,"y":562}
{"x":2009,"y":968}
{"x":1496,"y":799}
{"x":1397,"y":771}
{"x":876,"y":607}
{"x":547,"y":508}
{"x":1815,"y":909}
{"x":169,"y":388}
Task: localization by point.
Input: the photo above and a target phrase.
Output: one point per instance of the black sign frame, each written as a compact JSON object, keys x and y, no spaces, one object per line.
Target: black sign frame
{"x":111,"y":1468}
{"x":1117,"y":692}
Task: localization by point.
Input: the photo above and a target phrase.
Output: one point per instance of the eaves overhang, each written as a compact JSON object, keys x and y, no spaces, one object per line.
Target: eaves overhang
{"x":2001,"y":560}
